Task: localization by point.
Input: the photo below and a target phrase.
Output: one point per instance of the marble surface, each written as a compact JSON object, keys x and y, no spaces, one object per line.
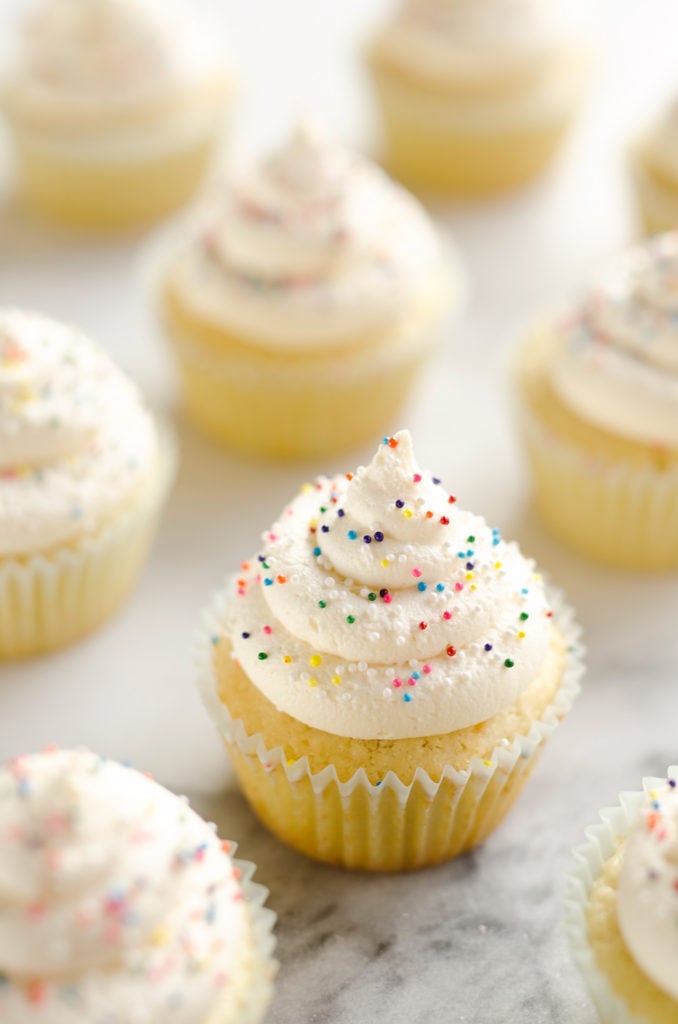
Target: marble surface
{"x":480,"y":939}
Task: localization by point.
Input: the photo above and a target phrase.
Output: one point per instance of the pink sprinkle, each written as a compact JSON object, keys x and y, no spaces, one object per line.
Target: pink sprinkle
{"x":447,"y":615}
{"x":417,"y":478}
{"x":267,"y":630}
{"x":397,"y":683}
{"x":426,"y":669}
{"x":241,"y":592}
{"x":272,"y":536}
{"x":416,"y":572}
{"x":458,"y":586}
{"x":387,"y":598}
{"x":412,"y":681}
{"x":35,"y":910}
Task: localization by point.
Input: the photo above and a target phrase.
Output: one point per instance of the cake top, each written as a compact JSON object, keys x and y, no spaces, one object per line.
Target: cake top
{"x":617,"y":362}
{"x":378,"y":609}
{"x":647,"y":904}
{"x":309,"y":245}
{"x":75,"y":437}
{"x":91,"y":51}
{"x":118,"y":903}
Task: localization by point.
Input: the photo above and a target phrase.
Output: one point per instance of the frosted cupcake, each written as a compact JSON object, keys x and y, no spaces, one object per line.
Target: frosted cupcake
{"x":476,"y":97}
{"x":654,"y":161}
{"x":84,"y":472}
{"x":303,"y":300}
{"x":599,"y":390}
{"x":385,"y":671}
{"x":119,"y":904}
{"x":622,"y":911}
{"x":115,"y":107}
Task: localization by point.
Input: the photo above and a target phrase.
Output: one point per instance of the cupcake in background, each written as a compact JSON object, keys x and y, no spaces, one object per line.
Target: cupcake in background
{"x":84,"y":472}
{"x":115,"y":107}
{"x":621,"y":910}
{"x":386,"y":669}
{"x":654,"y":162}
{"x":476,"y":96}
{"x":118,"y":903}
{"x":303,"y":299}
{"x":598,"y":389}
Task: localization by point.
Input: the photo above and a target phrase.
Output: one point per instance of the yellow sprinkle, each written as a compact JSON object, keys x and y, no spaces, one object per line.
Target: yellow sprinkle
{"x":290,"y":761}
{"x":286,"y":659}
{"x":315,"y":660}
{"x":336,"y":680}
{"x":537,"y":576}
{"x":313,"y":681}
{"x":385,"y":562}
{"x":469,"y":575}
{"x":521,"y":635}
{"x":407,"y":513}
{"x":313,"y":522}
{"x":160,"y":936}
{"x":497,"y":565}
{"x":488,"y":764}
{"x":473,"y":587}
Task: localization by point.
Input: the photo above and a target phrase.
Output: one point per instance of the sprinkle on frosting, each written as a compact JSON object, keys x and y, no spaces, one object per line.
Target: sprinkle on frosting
{"x":359,"y":627}
{"x":117,"y":902}
{"x":308,"y":247}
{"x":75,"y":438}
{"x":617,"y":366}
{"x":648,"y":888}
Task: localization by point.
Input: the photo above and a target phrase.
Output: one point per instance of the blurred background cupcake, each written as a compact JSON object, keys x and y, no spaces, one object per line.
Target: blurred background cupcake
{"x":621,"y":909}
{"x":303,"y":299}
{"x":655,"y":171}
{"x":599,"y":408}
{"x":115,"y":107}
{"x":84,"y":473}
{"x":119,"y":903}
{"x":476,"y":95}
{"x":386,"y":670}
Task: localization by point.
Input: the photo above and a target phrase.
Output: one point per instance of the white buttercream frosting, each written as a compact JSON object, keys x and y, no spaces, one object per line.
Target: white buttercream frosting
{"x":100,"y":75}
{"x":118,"y":904}
{"x":647,"y":897}
{"x":617,"y":360}
{"x":447,"y":38}
{"x":378,"y":609}
{"x":76,"y":441}
{"x":310,"y":246}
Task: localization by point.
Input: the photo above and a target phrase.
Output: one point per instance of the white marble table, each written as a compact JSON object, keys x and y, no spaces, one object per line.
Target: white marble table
{"x":479,"y":940}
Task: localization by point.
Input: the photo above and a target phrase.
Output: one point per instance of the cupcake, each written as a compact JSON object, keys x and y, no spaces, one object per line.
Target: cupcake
{"x":84,"y":471}
{"x":476,"y":96}
{"x":115,"y":107}
{"x":302,"y":300}
{"x":621,"y":913}
{"x":119,"y":904}
{"x":599,"y":392}
{"x":654,"y":161}
{"x":385,"y":671}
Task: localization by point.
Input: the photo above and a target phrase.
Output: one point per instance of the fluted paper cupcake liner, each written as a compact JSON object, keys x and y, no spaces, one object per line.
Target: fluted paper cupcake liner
{"x":657,"y":200}
{"x":589,"y":859}
{"x":618,"y":513}
{"x":48,"y":601}
{"x":387,"y":825}
{"x":257,"y":996}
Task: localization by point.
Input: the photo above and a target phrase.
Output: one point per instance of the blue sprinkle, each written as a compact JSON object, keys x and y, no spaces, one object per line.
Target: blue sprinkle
{"x":325,"y":529}
{"x":469,"y":565}
{"x":407,"y":697}
{"x":436,"y":479}
{"x":245,"y":636}
{"x":524,"y":590}
{"x":378,"y":536}
{"x":341,"y":513}
{"x":488,"y":647}
{"x":317,"y":551}
{"x":268,"y":582}
{"x":421,"y":585}
{"x":351,"y":535}
{"x":440,"y":587}
{"x":415,"y":675}
{"x":214,"y":639}
{"x":367,"y":538}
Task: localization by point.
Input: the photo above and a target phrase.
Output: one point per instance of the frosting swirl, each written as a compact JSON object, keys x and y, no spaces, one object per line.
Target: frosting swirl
{"x":75,"y":438}
{"x":447,"y":38}
{"x":617,"y":364}
{"x":647,"y":898}
{"x":117,"y":901}
{"x":378,"y":609}
{"x":310,"y":246}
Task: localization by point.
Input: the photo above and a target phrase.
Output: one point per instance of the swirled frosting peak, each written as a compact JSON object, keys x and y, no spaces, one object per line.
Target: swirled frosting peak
{"x":310,"y":245}
{"x":117,"y":902}
{"x":377,"y":608}
{"x":75,"y":438}
{"x":617,"y":366}
{"x":647,"y":906}
{"x":110,"y":48}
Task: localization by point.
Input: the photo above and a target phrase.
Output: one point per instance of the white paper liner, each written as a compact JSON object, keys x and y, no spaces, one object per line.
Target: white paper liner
{"x":647,"y":496}
{"x":47,"y":601}
{"x":589,"y":859}
{"x":257,"y":996}
{"x":510,"y":759}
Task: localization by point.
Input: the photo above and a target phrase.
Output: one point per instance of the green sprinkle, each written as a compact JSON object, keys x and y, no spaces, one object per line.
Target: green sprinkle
{"x":371,"y":597}
{"x":350,"y":619}
{"x":470,"y":539}
{"x":262,"y":656}
{"x":508,"y":663}
{"x":322,"y":604}
{"x":524,"y":616}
